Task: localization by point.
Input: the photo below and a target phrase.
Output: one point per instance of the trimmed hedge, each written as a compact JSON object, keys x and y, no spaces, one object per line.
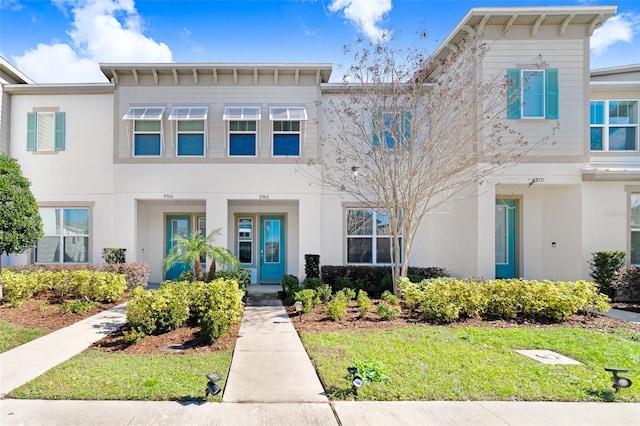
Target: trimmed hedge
{"x":136,"y":273}
{"x":215,"y":306}
{"x":446,"y":300}
{"x":375,"y":279}
{"x":92,"y":285}
{"x":242,"y":276}
{"x":628,"y":286}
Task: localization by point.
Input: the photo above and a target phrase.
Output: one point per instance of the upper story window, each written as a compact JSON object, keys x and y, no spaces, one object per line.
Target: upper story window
{"x":45,"y":131}
{"x":368,"y":236}
{"x":392,"y":128}
{"x":242,"y":128}
{"x":614,"y":125}
{"x":190,"y":130}
{"x":287,"y":127}
{"x":66,"y":236}
{"x":532,"y":93}
{"x":147,"y":130}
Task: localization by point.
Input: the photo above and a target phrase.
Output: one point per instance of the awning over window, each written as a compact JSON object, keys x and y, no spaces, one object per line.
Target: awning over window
{"x":189,"y":113}
{"x":144,"y":113}
{"x":242,"y":113}
{"x":288,"y":113}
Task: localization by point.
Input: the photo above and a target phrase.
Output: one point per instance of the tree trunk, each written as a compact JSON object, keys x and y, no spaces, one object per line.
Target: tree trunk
{"x":212,"y":270}
{"x":197,"y":268}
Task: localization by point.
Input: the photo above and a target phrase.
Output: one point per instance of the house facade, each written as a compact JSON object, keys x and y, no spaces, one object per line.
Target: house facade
{"x":165,"y":149}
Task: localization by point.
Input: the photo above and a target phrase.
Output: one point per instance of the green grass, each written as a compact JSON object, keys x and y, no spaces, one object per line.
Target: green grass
{"x":12,"y":336}
{"x":475,"y":363}
{"x":96,"y":375}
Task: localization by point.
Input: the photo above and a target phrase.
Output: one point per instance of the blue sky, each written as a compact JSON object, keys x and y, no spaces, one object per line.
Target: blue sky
{"x":64,"y":40}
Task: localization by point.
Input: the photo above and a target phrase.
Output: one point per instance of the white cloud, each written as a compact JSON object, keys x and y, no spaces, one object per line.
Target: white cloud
{"x":619,"y":28}
{"x":102,"y":31}
{"x":365,"y":13}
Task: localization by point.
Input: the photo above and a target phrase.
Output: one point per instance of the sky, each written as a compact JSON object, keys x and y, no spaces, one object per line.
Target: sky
{"x":63,"y":41}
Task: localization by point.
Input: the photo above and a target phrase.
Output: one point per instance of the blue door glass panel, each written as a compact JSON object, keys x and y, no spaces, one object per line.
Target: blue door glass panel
{"x":191,"y":145}
{"x":177,"y":225}
{"x":286,"y":145}
{"x":147,"y":145}
{"x":272,"y":248}
{"x":505,"y":235}
{"x":242,"y":145}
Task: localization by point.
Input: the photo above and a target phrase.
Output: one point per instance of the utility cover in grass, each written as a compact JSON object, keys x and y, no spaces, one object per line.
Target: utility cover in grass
{"x":548,"y":357}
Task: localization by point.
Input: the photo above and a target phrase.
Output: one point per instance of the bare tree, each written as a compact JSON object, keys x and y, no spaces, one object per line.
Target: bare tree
{"x":408,"y":133}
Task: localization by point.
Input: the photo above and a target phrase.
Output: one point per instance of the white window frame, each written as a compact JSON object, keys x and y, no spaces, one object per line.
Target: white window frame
{"x":634,"y":228}
{"x":61,"y":235}
{"x":523,"y":82}
{"x":606,"y":125}
{"x":134,"y":114}
{"x":373,"y":236}
{"x":242,"y":114}
{"x":282,"y":114}
{"x":194,"y":113}
{"x":246,"y":239}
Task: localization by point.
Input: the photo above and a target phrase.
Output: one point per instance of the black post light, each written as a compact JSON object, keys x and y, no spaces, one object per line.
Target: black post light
{"x":618,"y":381}
{"x":212,"y":387}
{"x":356,"y":381}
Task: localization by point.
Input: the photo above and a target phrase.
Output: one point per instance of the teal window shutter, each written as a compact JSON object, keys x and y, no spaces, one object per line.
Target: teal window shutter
{"x":514,"y":94}
{"x":406,"y":128}
{"x":551,"y":94}
{"x":59,"y":137}
{"x":375,"y":128}
{"x":32,"y":130}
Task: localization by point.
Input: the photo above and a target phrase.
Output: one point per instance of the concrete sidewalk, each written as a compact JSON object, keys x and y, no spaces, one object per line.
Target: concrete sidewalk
{"x":28,"y":361}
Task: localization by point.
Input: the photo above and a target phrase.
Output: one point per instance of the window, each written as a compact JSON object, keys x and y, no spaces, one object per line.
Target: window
{"x":190,"y":130}
{"x":147,"y":130}
{"x":45,"y":131}
{"x":532,"y":93}
{"x":392,"y":127}
{"x":635,"y":229}
{"x":245,"y":240}
{"x":368,"y":236}
{"x":614,"y":125}
{"x":286,"y":126}
{"x":242,"y":127}
{"x":66,"y":236}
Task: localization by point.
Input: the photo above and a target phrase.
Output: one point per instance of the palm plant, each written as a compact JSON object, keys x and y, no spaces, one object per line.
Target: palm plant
{"x":195,"y":247}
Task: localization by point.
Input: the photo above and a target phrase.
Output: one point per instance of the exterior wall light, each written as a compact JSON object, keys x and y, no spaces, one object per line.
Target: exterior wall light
{"x":354,"y":169}
{"x":356,"y":381}
{"x":212,"y":388}
{"x":618,"y":381}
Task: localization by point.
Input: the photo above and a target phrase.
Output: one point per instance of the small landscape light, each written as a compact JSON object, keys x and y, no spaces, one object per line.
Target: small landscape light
{"x":212,"y":387}
{"x":298,"y":306}
{"x":356,"y":381}
{"x":619,"y":381}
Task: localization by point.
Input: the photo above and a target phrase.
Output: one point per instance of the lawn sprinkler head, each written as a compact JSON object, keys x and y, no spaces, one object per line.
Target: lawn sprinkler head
{"x":618,"y":381}
{"x":212,"y":387}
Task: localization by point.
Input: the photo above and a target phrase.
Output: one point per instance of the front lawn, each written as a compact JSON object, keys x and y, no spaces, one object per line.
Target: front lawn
{"x":477,"y":363}
{"x":12,"y":336}
{"x":96,"y":375}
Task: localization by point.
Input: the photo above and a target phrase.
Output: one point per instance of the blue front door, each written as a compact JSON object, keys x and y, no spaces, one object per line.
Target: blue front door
{"x":506,"y":238}
{"x":272,"y":248}
{"x":177,"y":225}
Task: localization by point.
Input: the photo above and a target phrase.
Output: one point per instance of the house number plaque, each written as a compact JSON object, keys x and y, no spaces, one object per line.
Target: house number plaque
{"x":264,"y":196}
{"x":168,"y":196}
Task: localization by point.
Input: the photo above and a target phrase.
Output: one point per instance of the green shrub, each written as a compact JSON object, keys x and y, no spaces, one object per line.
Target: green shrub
{"x":312,"y":265}
{"x":605,"y":267}
{"x":371,"y":371}
{"x":133,"y":336}
{"x":308,"y":298}
{"x":388,"y":312}
{"x":349,"y":293}
{"x":157,"y":311}
{"x":289,"y":281}
{"x":411,"y":293}
{"x":364,"y":303}
{"x":18,"y":287}
{"x":312,"y":283}
{"x":136,"y":273}
{"x":389,"y":297}
{"x":77,"y":306}
{"x":629,"y":285}
{"x":324,"y":293}
{"x":221,"y":307}
{"x":98,"y":286}
{"x":242,"y":276}
{"x":336,"y":308}
{"x":114,"y":255}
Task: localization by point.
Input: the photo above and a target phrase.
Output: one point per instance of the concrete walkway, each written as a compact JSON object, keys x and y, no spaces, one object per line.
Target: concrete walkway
{"x":28,"y":361}
{"x":271,"y":382}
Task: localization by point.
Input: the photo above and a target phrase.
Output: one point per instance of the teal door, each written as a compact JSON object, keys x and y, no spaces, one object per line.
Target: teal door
{"x":177,"y":225}
{"x":506,"y":238}
{"x":272,"y":249}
